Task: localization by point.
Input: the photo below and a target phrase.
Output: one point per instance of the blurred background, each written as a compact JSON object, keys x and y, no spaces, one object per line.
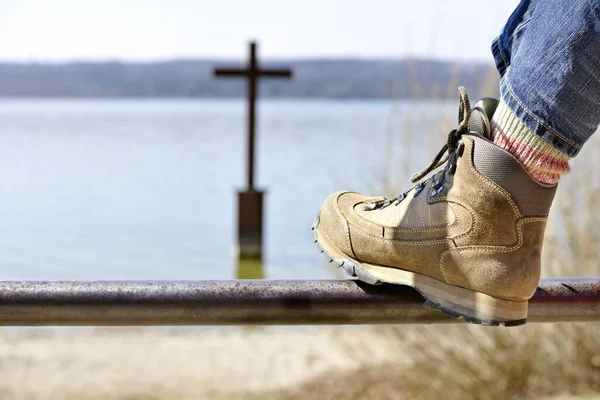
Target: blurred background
{"x":120,"y":157}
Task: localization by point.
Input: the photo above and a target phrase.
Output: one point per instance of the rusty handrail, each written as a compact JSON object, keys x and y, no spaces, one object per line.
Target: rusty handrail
{"x":257,"y":302}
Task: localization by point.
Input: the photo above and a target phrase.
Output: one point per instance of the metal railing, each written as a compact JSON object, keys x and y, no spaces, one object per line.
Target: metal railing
{"x":257,"y":302}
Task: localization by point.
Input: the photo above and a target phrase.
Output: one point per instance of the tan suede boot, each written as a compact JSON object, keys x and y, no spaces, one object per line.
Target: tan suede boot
{"x":468,"y":238}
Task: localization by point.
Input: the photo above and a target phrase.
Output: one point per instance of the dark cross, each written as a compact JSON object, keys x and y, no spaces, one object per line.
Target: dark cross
{"x":250,"y":201}
{"x":252,"y":73}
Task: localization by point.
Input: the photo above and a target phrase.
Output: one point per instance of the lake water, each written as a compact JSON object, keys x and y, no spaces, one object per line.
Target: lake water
{"x":106,"y":189}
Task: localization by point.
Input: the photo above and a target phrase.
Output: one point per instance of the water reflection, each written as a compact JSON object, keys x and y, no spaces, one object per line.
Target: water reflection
{"x":249,"y":268}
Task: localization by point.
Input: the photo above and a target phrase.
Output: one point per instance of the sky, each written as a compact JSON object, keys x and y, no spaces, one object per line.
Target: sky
{"x":147,"y":30}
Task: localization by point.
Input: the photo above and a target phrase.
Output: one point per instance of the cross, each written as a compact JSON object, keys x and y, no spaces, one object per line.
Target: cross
{"x":252,"y":73}
{"x":250,"y":201}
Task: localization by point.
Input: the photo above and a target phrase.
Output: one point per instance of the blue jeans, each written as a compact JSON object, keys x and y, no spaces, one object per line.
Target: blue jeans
{"x":548,"y":56}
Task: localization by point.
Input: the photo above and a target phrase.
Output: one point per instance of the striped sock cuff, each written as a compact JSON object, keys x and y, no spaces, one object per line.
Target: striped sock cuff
{"x":543,"y":162}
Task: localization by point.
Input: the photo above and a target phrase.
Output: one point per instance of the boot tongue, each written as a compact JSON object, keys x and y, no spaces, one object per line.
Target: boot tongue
{"x":481,"y":114}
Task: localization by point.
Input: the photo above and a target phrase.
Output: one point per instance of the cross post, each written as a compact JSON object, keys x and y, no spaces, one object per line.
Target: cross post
{"x":250,"y":201}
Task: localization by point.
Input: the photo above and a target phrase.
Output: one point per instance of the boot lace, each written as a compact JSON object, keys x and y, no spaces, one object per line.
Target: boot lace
{"x":447,"y":154}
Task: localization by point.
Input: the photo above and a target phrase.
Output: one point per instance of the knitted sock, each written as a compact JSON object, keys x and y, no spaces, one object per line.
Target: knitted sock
{"x":543,"y":162}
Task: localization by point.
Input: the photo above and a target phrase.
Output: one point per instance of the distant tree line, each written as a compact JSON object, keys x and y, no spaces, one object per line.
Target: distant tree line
{"x":319,"y":78}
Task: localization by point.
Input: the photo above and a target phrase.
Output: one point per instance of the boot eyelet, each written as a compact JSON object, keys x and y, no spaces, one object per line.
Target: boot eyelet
{"x":370,"y":206}
{"x":418,"y":189}
{"x":452,"y":168}
{"x":399,"y":199}
{"x":437,"y":191}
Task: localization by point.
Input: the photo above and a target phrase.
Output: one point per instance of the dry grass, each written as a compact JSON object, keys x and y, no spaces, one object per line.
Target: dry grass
{"x":469,"y":362}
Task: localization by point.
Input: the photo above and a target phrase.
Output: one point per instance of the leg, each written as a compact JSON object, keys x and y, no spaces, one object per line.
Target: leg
{"x":548,"y":55}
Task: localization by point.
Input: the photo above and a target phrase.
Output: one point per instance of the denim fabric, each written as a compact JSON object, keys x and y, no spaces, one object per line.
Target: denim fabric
{"x":548,"y":57}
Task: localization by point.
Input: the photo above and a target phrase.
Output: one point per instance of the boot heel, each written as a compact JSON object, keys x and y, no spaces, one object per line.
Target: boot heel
{"x":452,"y":300}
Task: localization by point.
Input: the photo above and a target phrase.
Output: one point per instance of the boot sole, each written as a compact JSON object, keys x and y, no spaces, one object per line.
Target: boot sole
{"x":453,"y":301}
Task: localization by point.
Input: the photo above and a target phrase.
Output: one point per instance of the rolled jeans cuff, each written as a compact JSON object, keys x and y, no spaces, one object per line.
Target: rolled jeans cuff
{"x":534,"y":123}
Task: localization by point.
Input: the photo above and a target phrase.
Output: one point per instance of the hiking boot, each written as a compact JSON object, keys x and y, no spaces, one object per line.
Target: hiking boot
{"x":468,"y":238}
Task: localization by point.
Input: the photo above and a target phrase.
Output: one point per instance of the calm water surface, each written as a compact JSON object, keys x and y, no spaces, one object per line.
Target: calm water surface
{"x":94,"y":189}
